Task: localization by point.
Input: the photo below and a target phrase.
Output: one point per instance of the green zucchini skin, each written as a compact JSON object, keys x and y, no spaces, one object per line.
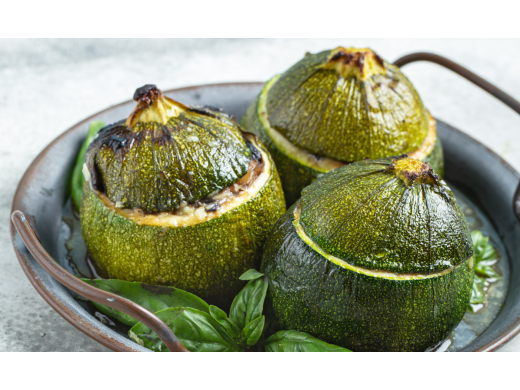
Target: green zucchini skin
{"x":347,"y":118}
{"x":366,"y":215}
{"x":205,"y":259}
{"x":309,"y":293}
{"x":296,"y":176}
{"x":155,"y":167}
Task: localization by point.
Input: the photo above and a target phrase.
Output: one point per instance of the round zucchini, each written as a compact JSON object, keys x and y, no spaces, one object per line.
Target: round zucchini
{"x":337,"y":107}
{"x":376,"y":256}
{"x":178,"y":196}
{"x":203,"y":253}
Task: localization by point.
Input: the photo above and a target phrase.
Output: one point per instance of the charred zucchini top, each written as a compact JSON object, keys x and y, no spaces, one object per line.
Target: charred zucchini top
{"x":166,"y":153}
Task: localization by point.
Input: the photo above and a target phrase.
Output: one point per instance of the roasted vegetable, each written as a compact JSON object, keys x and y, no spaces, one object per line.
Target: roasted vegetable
{"x":336,"y":107}
{"x":178,"y":196}
{"x":376,"y":256}
{"x":166,"y":153}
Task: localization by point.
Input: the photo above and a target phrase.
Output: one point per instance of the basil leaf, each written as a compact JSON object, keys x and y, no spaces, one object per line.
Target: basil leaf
{"x":483,"y":263}
{"x":479,"y":242}
{"x":294,"y":341}
{"x":253,"y":330}
{"x":484,"y":256}
{"x":250,"y":275}
{"x":77,"y":174}
{"x":487,"y":271}
{"x":221,"y":317}
{"x":249,"y":303}
{"x":489,"y":253}
{"x":153,"y":298}
{"x":478,"y":294}
{"x":483,"y":250}
{"x":195,"y":329}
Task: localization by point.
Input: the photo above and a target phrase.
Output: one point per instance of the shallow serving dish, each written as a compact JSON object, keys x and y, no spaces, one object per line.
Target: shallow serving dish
{"x":474,"y":170}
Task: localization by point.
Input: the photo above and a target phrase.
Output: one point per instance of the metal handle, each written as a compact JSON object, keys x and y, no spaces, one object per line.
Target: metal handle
{"x":479,"y":81}
{"x":94,"y":294}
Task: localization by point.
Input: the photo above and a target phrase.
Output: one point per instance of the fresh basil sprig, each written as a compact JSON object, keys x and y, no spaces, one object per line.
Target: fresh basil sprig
{"x":221,"y":317}
{"x":249,"y":303}
{"x":478,"y":293}
{"x":77,"y":174}
{"x":213,"y":331}
{"x":253,"y":331}
{"x":206,"y":328}
{"x":294,"y":341}
{"x":153,"y":298}
{"x":196,"y":330}
{"x":484,"y":257}
{"x":252,"y":274}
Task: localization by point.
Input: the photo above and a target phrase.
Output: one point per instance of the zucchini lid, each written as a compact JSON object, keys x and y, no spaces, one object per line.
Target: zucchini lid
{"x":390,"y":214}
{"x":347,"y":104}
{"x":165,"y":153}
{"x":212,"y":207}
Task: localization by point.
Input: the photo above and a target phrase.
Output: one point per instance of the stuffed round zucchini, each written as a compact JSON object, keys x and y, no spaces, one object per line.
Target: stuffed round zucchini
{"x":376,"y":256}
{"x":336,"y":107}
{"x":178,"y":196}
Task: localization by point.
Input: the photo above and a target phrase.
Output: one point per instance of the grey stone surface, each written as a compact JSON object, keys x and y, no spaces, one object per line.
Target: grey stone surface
{"x":48,"y":85}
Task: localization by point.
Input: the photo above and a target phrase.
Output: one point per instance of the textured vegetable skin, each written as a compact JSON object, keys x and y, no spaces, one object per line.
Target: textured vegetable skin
{"x":348,"y":116}
{"x":366,"y":214}
{"x":309,"y":293}
{"x":206,"y":259}
{"x":154,"y":166}
{"x":296,"y":176}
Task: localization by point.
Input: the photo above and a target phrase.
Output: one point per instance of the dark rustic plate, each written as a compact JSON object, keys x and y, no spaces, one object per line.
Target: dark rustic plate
{"x":482,"y":176}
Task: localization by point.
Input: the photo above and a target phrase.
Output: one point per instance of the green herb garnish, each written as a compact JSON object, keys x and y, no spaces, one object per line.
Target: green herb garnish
{"x":484,"y":257}
{"x":214,"y":332}
{"x":153,"y":298}
{"x":196,"y":330}
{"x":77,"y":174}
{"x":294,"y":341}
{"x":206,"y":328}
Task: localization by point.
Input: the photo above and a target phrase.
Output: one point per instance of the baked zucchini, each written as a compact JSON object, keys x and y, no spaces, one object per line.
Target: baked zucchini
{"x":336,"y":107}
{"x":178,"y":196}
{"x":376,"y":256}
